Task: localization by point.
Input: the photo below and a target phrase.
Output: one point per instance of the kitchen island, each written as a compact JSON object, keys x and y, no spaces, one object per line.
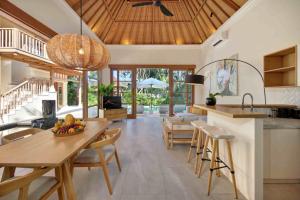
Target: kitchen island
{"x":247,"y":146}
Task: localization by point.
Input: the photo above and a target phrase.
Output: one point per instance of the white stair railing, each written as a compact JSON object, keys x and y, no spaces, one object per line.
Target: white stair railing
{"x":18,"y":95}
{"x":17,"y":39}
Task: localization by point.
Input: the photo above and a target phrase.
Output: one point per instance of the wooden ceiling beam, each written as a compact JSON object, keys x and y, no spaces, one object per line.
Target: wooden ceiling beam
{"x":207,"y":26}
{"x":209,"y":19}
{"x":232,"y":4}
{"x":93,"y":15}
{"x":106,"y":6}
{"x":147,"y":21}
{"x":201,"y":27}
{"x":76,"y":6}
{"x":106,"y":26}
{"x":88,"y":9}
{"x":220,"y":8}
{"x":214,"y":14}
{"x":118,"y":10}
{"x":98,"y":19}
{"x":115,"y":21}
{"x":113,"y":8}
{"x":198,"y":12}
{"x":193,"y":21}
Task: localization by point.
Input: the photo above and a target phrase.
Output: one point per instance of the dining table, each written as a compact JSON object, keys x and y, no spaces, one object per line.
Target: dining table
{"x":44,"y":149}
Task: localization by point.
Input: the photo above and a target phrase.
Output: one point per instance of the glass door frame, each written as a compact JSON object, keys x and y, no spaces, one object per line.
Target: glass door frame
{"x":133,"y":68}
{"x":132,"y":115}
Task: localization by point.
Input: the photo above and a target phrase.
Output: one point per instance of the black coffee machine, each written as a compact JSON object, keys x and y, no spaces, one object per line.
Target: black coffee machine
{"x":49,"y":115}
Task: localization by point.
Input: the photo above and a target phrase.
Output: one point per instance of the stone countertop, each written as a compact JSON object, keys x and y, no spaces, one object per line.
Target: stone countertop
{"x":232,"y":112}
{"x":281,"y":123}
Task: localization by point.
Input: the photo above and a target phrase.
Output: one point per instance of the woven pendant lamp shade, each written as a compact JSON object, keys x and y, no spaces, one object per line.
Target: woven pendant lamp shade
{"x":66,"y":50}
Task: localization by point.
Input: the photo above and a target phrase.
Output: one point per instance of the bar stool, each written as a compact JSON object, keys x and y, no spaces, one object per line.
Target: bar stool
{"x":216,"y":134}
{"x":197,"y":141}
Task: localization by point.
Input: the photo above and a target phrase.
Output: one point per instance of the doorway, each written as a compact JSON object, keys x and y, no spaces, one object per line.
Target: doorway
{"x":170,"y":94}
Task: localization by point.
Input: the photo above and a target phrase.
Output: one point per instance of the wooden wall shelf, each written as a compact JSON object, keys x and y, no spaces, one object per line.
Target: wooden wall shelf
{"x":280,"y":68}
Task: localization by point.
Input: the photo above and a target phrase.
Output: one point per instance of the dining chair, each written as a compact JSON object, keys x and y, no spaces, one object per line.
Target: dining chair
{"x":14,"y":137}
{"x":33,"y":185}
{"x":19,"y":135}
{"x":100,"y":153}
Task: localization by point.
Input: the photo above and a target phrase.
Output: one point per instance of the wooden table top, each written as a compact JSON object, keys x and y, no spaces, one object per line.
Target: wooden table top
{"x":232,"y":112}
{"x":44,"y":149}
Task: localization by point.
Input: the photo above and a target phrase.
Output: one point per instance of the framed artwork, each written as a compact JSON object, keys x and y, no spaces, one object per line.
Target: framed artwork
{"x":225,"y":77}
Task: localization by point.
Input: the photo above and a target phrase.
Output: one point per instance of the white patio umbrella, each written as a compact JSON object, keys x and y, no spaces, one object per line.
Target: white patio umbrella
{"x":152,"y":83}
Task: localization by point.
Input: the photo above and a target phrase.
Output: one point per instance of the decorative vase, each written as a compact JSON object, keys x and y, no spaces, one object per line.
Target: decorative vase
{"x":211,"y":101}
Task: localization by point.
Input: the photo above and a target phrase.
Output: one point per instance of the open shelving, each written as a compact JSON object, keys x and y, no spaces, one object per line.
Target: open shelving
{"x":280,"y":68}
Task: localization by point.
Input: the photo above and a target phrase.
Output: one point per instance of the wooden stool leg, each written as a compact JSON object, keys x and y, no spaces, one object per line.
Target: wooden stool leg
{"x":172,"y":139}
{"x":192,"y":144}
{"x":168,"y":139}
{"x":231,"y":167}
{"x":204,"y":155}
{"x":218,"y":173}
{"x":198,"y":151}
{"x":212,"y":164}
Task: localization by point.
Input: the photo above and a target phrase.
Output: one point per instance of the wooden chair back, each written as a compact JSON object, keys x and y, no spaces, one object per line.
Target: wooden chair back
{"x":21,"y":182}
{"x":110,"y":137}
{"x":97,"y":119}
{"x":19,"y":135}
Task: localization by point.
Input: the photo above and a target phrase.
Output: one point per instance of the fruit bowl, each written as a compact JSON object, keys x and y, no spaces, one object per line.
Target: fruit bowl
{"x":69,"y":127}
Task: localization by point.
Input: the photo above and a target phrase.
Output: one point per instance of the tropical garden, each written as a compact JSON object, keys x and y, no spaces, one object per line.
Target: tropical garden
{"x":146,"y":97}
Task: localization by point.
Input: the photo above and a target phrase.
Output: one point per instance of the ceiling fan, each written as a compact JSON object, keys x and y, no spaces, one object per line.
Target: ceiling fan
{"x":157,"y":3}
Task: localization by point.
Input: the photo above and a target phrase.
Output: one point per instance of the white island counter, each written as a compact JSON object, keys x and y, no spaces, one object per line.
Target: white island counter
{"x":247,"y":147}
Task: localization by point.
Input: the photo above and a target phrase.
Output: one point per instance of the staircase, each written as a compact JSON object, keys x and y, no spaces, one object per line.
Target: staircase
{"x":22,"y":94}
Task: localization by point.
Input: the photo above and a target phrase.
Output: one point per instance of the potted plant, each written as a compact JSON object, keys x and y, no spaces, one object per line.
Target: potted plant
{"x":211,"y":99}
{"x":106,"y":90}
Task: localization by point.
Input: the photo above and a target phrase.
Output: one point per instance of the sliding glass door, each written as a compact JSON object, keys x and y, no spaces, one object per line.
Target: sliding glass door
{"x":182,"y":93}
{"x":172,"y":98}
{"x":124,"y":86}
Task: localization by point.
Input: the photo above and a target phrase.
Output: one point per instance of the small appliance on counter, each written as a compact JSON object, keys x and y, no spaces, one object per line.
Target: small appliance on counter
{"x":49,"y":116}
{"x":288,"y":113}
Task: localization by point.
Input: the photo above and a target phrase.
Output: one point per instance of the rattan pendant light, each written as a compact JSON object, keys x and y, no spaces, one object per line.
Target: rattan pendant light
{"x":78,"y":52}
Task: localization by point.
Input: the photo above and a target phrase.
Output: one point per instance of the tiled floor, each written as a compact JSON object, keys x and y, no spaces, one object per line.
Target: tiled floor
{"x":150,"y":172}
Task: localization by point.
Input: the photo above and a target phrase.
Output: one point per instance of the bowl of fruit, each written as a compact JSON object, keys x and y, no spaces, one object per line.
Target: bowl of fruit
{"x":70,"y":126}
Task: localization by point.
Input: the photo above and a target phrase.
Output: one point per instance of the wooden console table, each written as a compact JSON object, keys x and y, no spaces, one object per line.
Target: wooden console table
{"x":113,"y":114}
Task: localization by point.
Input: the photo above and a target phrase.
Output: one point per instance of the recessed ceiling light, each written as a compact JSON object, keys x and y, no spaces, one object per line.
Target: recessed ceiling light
{"x":15,"y":54}
{"x":126,"y":42}
{"x":179,"y":41}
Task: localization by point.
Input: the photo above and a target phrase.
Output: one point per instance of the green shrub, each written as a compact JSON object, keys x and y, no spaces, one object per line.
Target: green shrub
{"x":106,"y":90}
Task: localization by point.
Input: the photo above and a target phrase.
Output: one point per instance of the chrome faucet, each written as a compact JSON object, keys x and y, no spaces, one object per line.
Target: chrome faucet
{"x":243,"y":101}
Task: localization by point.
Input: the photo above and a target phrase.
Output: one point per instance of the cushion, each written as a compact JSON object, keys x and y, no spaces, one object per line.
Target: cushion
{"x":189,"y":117}
{"x":36,"y":190}
{"x":91,"y":155}
{"x":177,"y":123}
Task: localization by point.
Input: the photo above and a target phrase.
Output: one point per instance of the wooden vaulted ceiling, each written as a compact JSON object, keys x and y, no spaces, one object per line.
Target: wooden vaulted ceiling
{"x":117,"y":22}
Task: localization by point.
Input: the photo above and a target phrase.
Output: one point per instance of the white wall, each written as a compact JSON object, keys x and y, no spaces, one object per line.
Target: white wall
{"x":13,"y":73}
{"x":5,"y":67}
{"x":259,"y":28}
